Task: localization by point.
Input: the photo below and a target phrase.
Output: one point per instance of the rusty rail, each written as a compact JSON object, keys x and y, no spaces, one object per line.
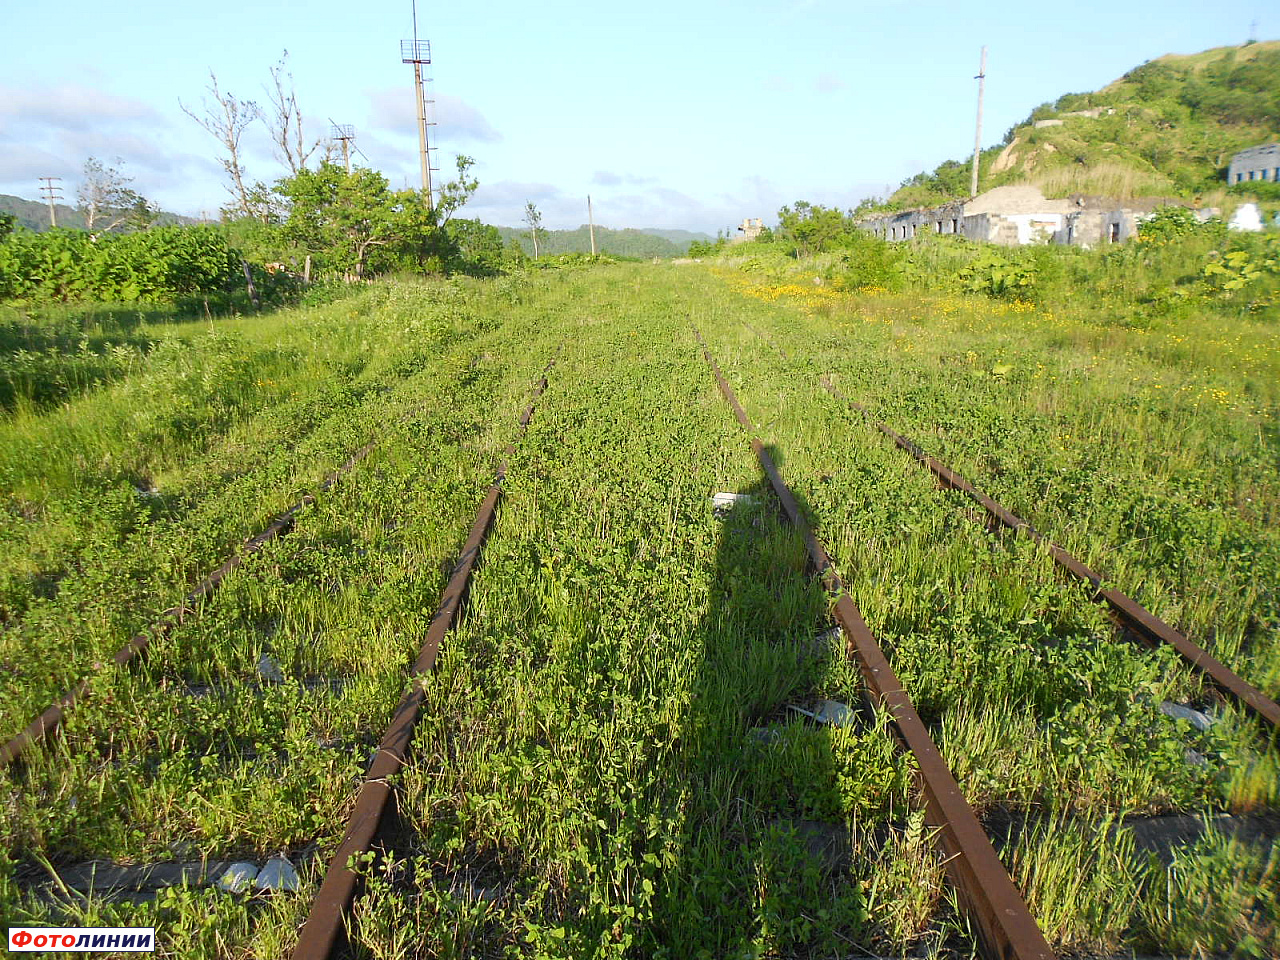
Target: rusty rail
{"x":326,"y":922}
{"x":1005,"y":925}
{"x":51,"y":719}
{"x":1128,"y":612}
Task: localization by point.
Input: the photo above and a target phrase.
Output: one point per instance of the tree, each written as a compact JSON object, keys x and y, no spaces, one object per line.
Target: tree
{"x":7,"y":222}
{"x":428,"y":239}
{"x":106,"y":200}
{"x":533,"y":218}
{"x":455,"y":194}
{"x":343,"y":218}
{"x":226,"y":120}
{"x":284,"y":122}
{"x":812,"y":227}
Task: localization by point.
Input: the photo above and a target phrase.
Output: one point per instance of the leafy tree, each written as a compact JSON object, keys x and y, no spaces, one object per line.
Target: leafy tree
{"x":352,"y":224}
{"x":476,"y":247}
{"x":7,"y":222}
{"x":342,"y":219}
{"x":812,"y":227}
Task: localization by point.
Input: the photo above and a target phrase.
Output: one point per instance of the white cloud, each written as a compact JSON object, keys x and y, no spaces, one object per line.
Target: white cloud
{"x":393,"y":110}
{"x":607,"y":178}
{"x":71,"y":107}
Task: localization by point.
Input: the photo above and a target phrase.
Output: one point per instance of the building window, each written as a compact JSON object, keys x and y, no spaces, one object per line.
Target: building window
{"x":937,"y":227}
{"x":1115,"y":233}
{"x":955,"y":226}
{"x":1262,"y":174}
{"x":1239,"y":177}
{"x":1250,"y":174}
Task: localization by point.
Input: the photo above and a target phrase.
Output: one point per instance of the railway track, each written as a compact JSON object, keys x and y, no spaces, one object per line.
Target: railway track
{"x":1004,"y":922}
{"x":325,"y":926}
{"x":1126,"y":612}
{"x":53,"y":716}
{"x":1006,"y":927}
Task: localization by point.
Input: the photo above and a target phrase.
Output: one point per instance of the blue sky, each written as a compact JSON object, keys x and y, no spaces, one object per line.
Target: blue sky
{"x":689,"y":114}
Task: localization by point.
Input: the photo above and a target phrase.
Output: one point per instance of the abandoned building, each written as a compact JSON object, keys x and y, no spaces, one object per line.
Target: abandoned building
{"x":1256,"y":163}
{"x":750,"y":228}
{"x":1021,"y":214}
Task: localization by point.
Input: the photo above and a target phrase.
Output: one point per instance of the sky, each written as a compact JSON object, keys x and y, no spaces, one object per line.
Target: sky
{"x":689,"y":115}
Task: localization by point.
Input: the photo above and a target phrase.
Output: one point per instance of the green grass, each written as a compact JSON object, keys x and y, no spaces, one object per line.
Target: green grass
{"x":606,"y":764}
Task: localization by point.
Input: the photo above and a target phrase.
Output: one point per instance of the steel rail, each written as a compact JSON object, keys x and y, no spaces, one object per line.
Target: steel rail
{"x":1005,"y":925}
{"x":52,"y":717}
{"x":1128,"y":612}
{"x":326,"y":922}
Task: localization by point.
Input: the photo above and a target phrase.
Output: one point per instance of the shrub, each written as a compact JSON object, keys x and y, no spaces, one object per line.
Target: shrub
{"x":160,"y":265}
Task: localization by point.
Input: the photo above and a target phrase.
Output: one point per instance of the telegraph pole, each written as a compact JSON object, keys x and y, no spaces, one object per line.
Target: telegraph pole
{"x":977,"y":137}
{"x":591,"y":225}
{"x":51,"y":193}
{"x":418,"y":52}
{"x":344,"y":133}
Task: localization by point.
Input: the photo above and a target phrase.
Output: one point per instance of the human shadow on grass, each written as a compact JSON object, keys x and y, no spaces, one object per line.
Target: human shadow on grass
{"x":764,"y":863}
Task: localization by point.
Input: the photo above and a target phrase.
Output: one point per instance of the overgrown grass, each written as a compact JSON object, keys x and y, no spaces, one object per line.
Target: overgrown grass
{"x":608,"y":762}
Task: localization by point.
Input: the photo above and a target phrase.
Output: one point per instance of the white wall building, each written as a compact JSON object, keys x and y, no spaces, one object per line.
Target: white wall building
{"x":1256,"y":163}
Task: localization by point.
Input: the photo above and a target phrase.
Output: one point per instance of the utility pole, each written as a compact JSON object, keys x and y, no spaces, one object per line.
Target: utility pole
{"x":418,"y":52}
{"x":591,"y":225}
{"x":977,"y":137}
{"x":51,"y":193}
{"x":344,"y":133}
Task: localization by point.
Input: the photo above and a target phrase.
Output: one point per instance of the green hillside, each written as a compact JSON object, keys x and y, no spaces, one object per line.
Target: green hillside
{"x":1166,"y":128}
{"x":619,"y":243}
{"x":34,"y":214}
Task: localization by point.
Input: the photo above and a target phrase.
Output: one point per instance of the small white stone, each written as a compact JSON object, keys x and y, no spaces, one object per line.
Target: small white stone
{"x":269,"y":670}
{"x":278,"y":874}
{"x":238,"y":877}
{"x":722,"y":503}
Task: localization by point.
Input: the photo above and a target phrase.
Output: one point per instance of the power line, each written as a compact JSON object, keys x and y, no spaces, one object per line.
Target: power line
{"x":51,"y":193}
{"x":977,"y":137}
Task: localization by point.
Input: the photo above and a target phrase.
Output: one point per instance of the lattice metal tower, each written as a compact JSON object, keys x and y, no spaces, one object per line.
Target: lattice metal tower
{"x":345,"y":134}
{"x":418,"y":52}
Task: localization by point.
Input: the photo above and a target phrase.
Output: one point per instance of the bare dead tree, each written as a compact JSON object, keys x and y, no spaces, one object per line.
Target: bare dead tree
{"x":285,"y":119}
{"x":226,"y":119}
{"x":106,"y":200}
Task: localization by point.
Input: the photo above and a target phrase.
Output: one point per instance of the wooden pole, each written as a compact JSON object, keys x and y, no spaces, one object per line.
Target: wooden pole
{"x":591,"y":225}
{"x":977,"y":137}
{"x":248,"y":280}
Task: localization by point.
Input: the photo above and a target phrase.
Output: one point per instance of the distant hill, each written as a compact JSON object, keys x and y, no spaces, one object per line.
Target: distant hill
{"x":34,"y":214}
{"x":623,"y":243}
{"x":1166,"y":128}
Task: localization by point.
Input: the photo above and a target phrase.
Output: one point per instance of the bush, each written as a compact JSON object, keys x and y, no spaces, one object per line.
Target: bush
{"x":1168,"y":224}
{"x":160,"y":265}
